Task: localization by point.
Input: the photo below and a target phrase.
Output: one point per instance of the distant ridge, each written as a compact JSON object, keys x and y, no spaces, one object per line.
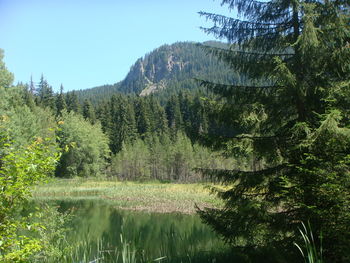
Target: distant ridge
{"x":165,"y":70}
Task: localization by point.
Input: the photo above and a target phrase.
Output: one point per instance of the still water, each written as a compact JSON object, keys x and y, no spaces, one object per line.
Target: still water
{"x":101,"y":231}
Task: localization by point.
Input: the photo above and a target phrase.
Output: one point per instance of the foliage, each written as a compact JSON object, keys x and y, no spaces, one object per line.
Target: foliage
{"x":291,"y":109}
{"x":85,"y":147}
{"x":6,"y":77}
{"x":20,"y":169}
{"x":165,"y":159}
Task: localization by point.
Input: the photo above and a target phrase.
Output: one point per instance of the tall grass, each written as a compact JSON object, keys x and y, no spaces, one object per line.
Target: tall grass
{"x":130,"y":195}
{"x":311,"y":253}
{"x":100,"y":251}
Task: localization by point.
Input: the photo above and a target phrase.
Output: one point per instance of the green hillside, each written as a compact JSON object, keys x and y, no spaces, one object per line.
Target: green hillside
{"x":164,"y":71}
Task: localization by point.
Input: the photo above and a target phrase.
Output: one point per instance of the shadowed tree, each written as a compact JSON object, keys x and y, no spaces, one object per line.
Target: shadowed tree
{"x":291,"y":109}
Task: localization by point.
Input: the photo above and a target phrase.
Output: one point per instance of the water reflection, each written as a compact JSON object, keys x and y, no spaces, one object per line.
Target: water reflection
{"x":152,"y":235}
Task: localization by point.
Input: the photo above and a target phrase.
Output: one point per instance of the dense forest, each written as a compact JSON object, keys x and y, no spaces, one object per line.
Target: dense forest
{"x":125,"y":135}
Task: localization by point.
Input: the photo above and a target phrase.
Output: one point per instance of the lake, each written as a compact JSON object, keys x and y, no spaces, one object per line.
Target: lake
{"x":102,"y":233}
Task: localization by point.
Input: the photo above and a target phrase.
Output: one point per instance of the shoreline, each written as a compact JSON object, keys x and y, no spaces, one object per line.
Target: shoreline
{"x":148,"y":196}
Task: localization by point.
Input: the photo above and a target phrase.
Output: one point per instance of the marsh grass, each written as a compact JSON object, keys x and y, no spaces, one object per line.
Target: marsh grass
{"x":145,"y":196}
{"x":100,"y":251}
{"x":311,"y":253}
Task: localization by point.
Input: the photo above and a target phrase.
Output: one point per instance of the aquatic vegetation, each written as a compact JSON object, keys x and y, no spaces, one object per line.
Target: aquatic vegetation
{"x":150,"y":196}
{"x":311,"y":253}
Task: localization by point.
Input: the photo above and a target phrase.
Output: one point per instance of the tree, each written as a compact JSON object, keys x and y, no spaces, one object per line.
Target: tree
{"x":173,"y":113}
{"x":72,"y":101}
{"x":6,"y":77}
{"x":142,"y":116}
{"x":23,"y":164}
{"x":45,"y":96}
{"x":123,"y":126}
{"x":158,"y":118}
{"x":85,"y":147}
{"x":89,"y":112}
{"x":60,"y":102}
{"x":20,"y":169}
{"x":291,"y":108}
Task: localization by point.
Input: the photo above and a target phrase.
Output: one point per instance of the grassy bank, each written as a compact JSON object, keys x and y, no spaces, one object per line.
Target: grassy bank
{"x":150,"y":196}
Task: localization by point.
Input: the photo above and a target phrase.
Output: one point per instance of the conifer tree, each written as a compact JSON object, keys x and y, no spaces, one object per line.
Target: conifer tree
{"x":291,"y":108}
{"x":72,"y":101}
{"x":89,"y":111}
{"x":123,"y":126}
{"x":28,"y":96}
{"x":31,"y":86}
{"x":158,"y":118}
{"x":142,"y":115}
{"x":45,"y":96}
{"x":60,"y":102}
{"x":174,"y":114}
{"x":103,"y":114}
{"x":199,"y":119}
{"x":185,"y":102}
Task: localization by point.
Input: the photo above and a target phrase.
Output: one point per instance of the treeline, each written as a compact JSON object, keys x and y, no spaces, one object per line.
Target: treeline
{"x":129,"y":137}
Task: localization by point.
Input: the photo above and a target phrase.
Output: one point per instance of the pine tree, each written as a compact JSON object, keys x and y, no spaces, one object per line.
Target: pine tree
{"x":60,"y":102}
{"x":72,"y":101}
{"x":142,"y":115}
{"x":199,"y":117}
{"x":158,"y":118}
{"x":103,"y":114}
{"x":123,"y":126}
{"x":45,"y":96}
{"x":292,"y":110}
{"x":89,"y":111}
{"x":28,"y":97}
{"x":174,"y":117}
{"x":32,"y":86}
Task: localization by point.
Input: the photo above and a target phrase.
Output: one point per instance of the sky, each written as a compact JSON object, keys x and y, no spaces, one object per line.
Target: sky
{"x":88,"y":43}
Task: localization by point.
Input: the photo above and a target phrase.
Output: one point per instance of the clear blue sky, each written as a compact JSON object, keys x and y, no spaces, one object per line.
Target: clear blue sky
{"x":86,"y":43}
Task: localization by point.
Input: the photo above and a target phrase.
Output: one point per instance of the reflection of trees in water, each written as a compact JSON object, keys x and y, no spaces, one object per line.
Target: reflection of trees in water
{"x":157,"y":235}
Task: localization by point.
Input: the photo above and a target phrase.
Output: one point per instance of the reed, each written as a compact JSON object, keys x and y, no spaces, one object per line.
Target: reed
{"x":146,"y":196}
{"x":311,"y":253}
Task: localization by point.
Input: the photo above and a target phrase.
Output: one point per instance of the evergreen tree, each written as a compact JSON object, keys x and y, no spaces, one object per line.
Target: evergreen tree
{"x":199,"y":118}
{"x":292,"y":109}
{"x":28,"y":96}
{"x":158,"y":118}
{"x":174,"y":114}
{"x":142,"y":115}
{"x":72,"y":101}
{"x":32,"y":86}
{"x":45,"y":95}
{"x":103,"y":114}
{"x":60,"y":102}
{"x":123,"y":126}
{"x":185,"y":102}
{"x":89,"y":112}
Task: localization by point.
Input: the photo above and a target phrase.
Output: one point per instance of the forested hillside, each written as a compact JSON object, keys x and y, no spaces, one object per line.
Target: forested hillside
{"x":165,"y":71}
{"x":125,"y":136}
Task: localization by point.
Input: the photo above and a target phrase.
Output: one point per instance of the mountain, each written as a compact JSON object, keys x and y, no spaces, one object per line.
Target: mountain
{"x":166,"y":70}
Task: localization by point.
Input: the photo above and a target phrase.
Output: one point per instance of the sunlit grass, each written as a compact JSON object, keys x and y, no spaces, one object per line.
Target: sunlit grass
{"x":149,"y":196}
